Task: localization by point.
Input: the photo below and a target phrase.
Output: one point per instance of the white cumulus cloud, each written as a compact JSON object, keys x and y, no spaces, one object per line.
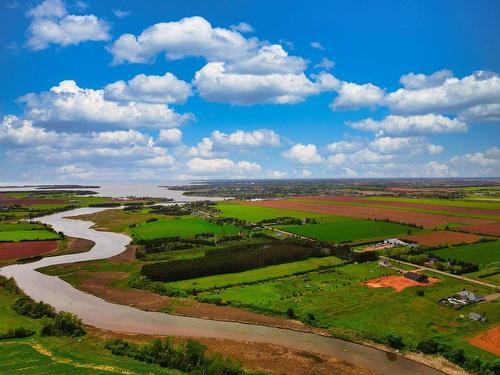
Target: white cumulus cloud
{"x":51,"y":24}
{"x":303,"y":154}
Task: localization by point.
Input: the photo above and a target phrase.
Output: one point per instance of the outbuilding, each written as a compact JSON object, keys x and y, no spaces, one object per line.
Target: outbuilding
{"x":416,"y":277}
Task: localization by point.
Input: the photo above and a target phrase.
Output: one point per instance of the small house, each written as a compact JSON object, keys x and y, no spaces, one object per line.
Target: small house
{"x":470,"y":296}
{"x":394,"y":242}
{"x":416,"y":277}
{"x":477,"y":317}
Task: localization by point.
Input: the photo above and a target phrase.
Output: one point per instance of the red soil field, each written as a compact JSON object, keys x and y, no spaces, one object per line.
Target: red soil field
{"x":5,"y":200}
{"x":442,"y":238}
{"x":489,"y":340}
{"x":423,"y":206}
{"x":427,"y":220}
{"x":398,"y":283}
{"x":24,"y":249}
{"x":487,"y":228}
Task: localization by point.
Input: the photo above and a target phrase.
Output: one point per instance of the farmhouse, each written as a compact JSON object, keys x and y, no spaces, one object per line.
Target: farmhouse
{"x":395,"y":242}
{"x":416,"y":277}
{"x":477,"y":317}
{"x":470,"y":297}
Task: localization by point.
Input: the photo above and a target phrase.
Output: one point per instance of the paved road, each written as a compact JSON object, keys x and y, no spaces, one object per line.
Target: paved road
{"x":460,"y":277}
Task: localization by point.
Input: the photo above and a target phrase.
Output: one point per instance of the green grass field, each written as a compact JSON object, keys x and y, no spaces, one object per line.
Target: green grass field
{"x":482,"y":253}
{"x":264,"y":273}
{"x":183,"y":227}
{"x":255,"y":214}
{"x":19,"y":235}
{"x":349,"y":230}
{"x":341,"y":303}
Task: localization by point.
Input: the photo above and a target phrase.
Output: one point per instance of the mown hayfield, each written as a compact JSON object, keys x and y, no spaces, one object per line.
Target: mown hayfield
{"x":339,"y":301}
{"x":482,"y":253}
{"x":280,"y":270}
{"x":349,"y":230}
{"x":255,"y":214}
{"x":10,"y":227}
{"x":182,"y":227}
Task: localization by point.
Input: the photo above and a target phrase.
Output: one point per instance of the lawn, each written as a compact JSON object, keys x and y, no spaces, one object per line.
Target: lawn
{"x":182,"y":227}
{"x":255,"y":214}
{"x":340,"y":302}
{"x":265,"y":273}
{"x":482,"y":253}
{"x":349,"y":230}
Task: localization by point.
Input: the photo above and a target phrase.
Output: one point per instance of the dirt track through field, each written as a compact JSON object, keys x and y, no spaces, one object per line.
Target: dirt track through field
{"x":361,"y":212}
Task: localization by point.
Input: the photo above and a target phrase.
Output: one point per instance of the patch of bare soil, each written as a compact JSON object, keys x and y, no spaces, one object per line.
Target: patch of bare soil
{"x":127,"y":256}
{"x":272,"y":359}
{"x":98,"y":284}
{"x":77,"y":245}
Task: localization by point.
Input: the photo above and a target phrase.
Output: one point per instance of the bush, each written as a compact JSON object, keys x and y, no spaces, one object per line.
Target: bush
{"x":64,"y":324}
{"x":26,"y":306}
{"x":19,"y":332}
{"x":420,"y":293}
{"x":290,"y":313}
{"x":395,"y":342}
{"x":428,"y":346}
{"x":189,"y":357}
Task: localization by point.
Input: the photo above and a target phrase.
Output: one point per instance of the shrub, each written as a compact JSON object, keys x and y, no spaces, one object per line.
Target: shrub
{"x":64,"y":324}
{"x":395,"y":342}
{"x":420,"y":293}
{"x":290,"y":313}
{"x":26,"y":306}
{"x":19,"y":332}
{"x":428,"y":346}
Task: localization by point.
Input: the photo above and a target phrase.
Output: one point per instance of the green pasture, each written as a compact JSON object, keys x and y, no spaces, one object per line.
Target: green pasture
{"x":183,"y":227}
{"x":481,"y":253}
{"x":20,"y":235}
{"x":12,"y":227}
{"x":340,"y":302}
{"x":255,"y":214}
{"x":265,"y":273}
{"x":350,"y":230}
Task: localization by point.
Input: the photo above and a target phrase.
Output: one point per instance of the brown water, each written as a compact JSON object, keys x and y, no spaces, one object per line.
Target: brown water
{"x":101,"y":314}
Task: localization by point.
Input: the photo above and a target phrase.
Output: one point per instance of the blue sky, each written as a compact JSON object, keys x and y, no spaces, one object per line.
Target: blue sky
{"x":103,"y":91}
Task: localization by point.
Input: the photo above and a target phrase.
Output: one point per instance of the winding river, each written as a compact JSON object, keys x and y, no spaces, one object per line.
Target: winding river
{"x":105,"y":315}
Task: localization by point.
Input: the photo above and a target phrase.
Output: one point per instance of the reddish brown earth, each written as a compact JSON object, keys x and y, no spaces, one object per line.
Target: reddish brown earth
{"x":442,"y":238}
{"x":489,"y":340}
{"x":77,"y":245}
{"x":398,"y":283}
{"x":492,"y":229}
{"x":9,"y":201}
{"x":423,"y":206}
{"x":24,"y":249}
{"x":272,"y":359}
{"x":427,"y":220}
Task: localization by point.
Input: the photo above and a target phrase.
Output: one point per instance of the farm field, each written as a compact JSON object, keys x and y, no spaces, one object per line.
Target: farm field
{"x":396,"y":204}
{"x":482,"y":253}
{"x":349,"y":230}
{"x":18,"y":250}
{"x":251,"y":276}
{"x":23,"y":232}
{"x":442,"y":238}
{"x":366,"y":212}
{"x":255,"y":214}
{"x":340,"y":302}
{"x":183,"y":227}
